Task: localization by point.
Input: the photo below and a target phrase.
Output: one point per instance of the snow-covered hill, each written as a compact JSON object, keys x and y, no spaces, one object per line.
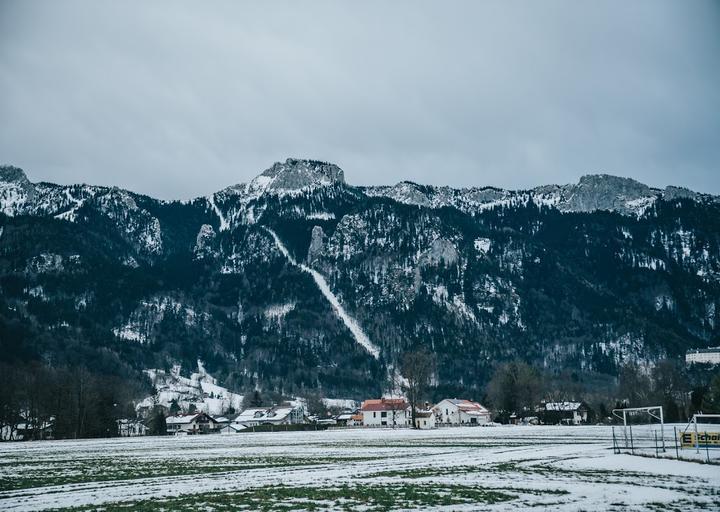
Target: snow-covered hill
{"x":200,"y":392}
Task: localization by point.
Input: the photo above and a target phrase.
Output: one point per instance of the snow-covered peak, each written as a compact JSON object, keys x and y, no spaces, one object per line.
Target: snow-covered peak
{"x":8,"y":173}
{"x":294,"y":174}
{"x":16,"y":191}
{"x":291,"y":177}
{"x":607,"y":192}
{"x":294,"y":177}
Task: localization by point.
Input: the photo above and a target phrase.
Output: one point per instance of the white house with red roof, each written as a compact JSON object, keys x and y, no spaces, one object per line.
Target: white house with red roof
{"x":454,"y":411}
{"x":386,"y":412}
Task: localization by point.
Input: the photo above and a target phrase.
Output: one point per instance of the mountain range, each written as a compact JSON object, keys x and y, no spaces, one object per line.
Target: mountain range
{"x":300,"y":281}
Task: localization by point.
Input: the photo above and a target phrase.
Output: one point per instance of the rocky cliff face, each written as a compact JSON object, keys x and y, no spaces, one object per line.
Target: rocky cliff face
{"x":603,"y":192}
{"x":297,"y":280}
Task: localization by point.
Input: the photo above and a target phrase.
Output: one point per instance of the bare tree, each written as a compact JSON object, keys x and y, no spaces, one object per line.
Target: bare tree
{"x":417,"y":368}
{"x":10,"y":405}
{"x":394,"y":387}
{"x":315,"y":405}
{"x":671,"y":389}
{"x":634,"y":386}
{"x":515,"y":387}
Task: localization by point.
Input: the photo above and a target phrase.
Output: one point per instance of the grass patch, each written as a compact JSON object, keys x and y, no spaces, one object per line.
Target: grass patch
{"x":45,"y":473}
{"x":374,"y":498}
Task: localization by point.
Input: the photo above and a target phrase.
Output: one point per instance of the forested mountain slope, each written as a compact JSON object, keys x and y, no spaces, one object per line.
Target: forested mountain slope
{"x":274,"y":283}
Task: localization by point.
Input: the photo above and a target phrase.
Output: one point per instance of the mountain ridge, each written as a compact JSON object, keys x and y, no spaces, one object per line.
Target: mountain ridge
{"x":297,"y":175}
{"x":580,"y":278}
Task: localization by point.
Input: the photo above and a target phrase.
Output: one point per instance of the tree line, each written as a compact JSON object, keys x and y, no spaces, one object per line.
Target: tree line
{"x":80,"y":403}
{"x":517,"y":388}
{"x":71,"y":402}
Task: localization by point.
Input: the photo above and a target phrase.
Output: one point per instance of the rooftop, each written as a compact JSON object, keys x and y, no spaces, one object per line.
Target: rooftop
{"x":384,"y":404}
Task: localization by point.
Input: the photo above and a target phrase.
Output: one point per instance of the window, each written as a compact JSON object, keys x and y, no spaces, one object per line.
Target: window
{"x":374,"y":414}
{"x":383,"y":414}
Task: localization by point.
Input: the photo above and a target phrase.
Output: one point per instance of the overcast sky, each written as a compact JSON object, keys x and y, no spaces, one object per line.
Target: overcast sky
{"x":178,"y":100}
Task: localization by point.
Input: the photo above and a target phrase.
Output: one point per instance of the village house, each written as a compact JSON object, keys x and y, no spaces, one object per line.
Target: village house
{"x":251,"y":417}
{"x":349,"y":419}
{"x":285,"y":414}
{"x":356,"y":420}
{"x":232,"y":428}
{"x":386,"y":412}
{"x":341,"y":420}
{"x":198,"y":423}
{"x":131,"y":427}
{"x":425,"y":419}
{"x":568,"y":413}
{"x":222,"y":420}
{"x":453,"y":411}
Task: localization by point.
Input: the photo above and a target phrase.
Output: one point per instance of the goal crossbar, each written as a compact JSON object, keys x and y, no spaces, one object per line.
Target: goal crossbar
{"x":648,"y":410}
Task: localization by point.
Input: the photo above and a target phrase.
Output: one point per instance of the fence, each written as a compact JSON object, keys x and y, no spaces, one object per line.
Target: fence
{"x":296,"y":427}
{"x":648,"y":441}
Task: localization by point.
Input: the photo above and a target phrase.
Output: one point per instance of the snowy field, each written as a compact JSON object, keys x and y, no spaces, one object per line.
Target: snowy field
{"x":503,"y":468}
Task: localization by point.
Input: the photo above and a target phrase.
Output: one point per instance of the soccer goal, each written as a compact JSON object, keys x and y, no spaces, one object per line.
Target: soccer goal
{"x":642,"y":431}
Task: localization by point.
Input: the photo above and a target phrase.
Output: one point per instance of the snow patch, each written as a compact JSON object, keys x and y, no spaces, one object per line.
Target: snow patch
{"x":277,"y":312}
{"x":322,"y":285}
{"x":341,"y":403}
{"x":320,"y":216}
{"x":224,"y":224}
{"x":149,"y":313}
{"x":45,"y":262}
{"x":482,"y":245}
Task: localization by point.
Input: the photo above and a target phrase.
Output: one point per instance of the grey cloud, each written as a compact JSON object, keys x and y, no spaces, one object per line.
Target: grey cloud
{"x":181,"y":99}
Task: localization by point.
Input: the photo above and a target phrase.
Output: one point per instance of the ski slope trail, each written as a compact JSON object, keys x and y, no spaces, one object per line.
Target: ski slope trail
{"x":322,"y":285}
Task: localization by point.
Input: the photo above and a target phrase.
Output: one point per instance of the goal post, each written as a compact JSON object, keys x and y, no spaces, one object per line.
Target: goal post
{"x":655,"y":412}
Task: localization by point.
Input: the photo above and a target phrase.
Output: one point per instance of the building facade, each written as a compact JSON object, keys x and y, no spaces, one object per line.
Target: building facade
{"x":703,"y":355}
{"x":568,"y":413}
{"x":425,"y":419}
{"x":386,"y":412}
{"x":286,"y":414}
{"x":199,"y":423}
{"x":454,"y":411}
